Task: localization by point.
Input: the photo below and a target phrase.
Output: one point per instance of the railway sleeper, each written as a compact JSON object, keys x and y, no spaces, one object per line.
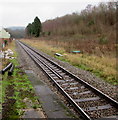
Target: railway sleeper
{"x":87,"y":99}
{"x":67,"y":78}
{"x":107,"y":106}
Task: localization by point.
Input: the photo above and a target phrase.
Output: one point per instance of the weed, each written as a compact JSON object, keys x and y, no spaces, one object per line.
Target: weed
{"x":91,"y":23}
{"x":35,"y":106}
{"x":22,"y":89}
{"x":104,"y":67}
{"x":103,"y":40}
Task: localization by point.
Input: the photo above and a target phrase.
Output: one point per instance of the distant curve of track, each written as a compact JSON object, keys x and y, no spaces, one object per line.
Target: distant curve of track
{"x":86,"y":99}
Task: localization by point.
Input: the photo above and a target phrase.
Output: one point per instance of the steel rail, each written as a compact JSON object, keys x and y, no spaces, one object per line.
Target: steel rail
{"x":114,"y":102}
{"x":47,"y":66}
{"x":70,"y":100}
{"x":34,"y":58}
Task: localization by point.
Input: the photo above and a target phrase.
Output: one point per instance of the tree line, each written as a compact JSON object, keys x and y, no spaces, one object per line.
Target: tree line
{"x":16,"y":33}
{"x":34,"y":29}
{"x":92,"y":20}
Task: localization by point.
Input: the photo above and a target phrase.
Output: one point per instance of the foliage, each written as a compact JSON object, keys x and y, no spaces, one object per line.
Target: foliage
{"x":92,"y":20}
{"x":103,"y":40}
{"x":91,"y":23}
{"x":34,"y":29}
{"x":29,"y":29}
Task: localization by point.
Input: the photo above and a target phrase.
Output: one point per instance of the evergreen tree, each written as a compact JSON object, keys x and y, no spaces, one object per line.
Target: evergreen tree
{"x":34,"y":29}
{"x":37,"y":27}
{"x":29,"y":29}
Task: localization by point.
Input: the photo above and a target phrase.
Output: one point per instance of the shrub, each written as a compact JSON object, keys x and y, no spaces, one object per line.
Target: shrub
{"x":103,"y":40}
{"x":91,"y":23}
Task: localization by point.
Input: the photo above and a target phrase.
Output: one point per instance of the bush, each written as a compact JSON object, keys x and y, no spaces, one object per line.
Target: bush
{"x":103,"y":40}
{"x":91,"y":23}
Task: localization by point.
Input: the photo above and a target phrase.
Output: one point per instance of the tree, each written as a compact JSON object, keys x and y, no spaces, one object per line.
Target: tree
{"x":34,"y":29}
{"x":29,"y":29}
{"x":37,"y":27}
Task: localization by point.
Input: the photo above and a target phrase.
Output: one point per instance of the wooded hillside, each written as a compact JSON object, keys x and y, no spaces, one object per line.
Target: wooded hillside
{"x":98,"y":20}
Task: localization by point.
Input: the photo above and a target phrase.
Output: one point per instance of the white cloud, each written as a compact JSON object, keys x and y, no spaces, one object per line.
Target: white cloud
{"x":22,"y":12}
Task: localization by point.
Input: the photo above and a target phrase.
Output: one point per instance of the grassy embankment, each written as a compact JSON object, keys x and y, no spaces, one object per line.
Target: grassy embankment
{"x":104,"y":67}
{"x":16,"y":90}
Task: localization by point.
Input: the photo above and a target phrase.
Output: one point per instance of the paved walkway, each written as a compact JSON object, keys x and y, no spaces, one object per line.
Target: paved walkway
{"x":51,"y":104}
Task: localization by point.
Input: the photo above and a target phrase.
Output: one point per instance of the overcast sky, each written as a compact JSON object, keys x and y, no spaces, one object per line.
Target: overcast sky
{"x":22,"y":12}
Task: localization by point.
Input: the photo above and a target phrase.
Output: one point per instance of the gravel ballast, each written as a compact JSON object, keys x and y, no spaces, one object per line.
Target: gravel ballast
{"x":87,"y":76}
{"x":26,"y":63}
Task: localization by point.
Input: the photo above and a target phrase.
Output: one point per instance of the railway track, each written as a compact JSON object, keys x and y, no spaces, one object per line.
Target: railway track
{"x":86,"y":99}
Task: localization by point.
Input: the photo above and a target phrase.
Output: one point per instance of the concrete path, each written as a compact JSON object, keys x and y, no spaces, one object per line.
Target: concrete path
{"x":31,"y":113}
{"x":51,"y":104}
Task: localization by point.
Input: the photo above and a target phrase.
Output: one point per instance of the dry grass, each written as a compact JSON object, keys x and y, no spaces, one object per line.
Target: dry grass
{"x":87,"y":44}
{"x":104,"y":66}
{"x":45,"y":46}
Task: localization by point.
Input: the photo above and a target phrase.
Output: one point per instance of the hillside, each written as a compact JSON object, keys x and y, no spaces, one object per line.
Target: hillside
{"x":16,"y":28}
{"x":91,"y":20}
{"x":92,"y":31}
{"x":16,"y":32}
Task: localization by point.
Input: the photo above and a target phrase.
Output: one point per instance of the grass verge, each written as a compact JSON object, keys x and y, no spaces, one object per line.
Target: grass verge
{"x":22,"y":92}
{"x":104,"y":67}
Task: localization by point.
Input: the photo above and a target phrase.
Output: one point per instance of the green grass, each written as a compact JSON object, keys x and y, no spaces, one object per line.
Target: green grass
{"x":23,"y":89}
{"x":0,"y":94}
{"x":3,"y":87}
{"x":111,"y":79}
{"x":103,"y":67}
